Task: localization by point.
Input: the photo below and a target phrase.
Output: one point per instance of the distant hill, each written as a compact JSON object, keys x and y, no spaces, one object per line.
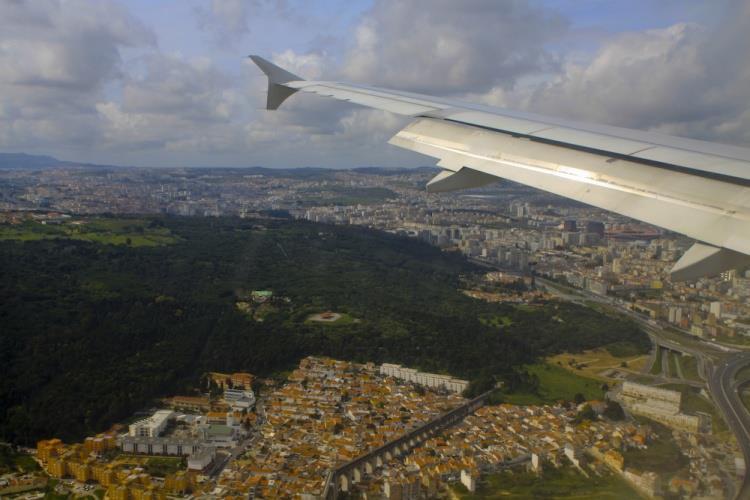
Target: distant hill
{"x":307,"y":172}
{"x":24,"y":161}
{"x":301,"y":172}
{"x":394,"y":170}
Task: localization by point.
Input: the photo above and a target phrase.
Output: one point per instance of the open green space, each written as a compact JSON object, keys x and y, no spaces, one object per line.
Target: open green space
{"x":662,"y":455}
{"x":673,"y":365}
{"x":555,"y":384}
{"x":162,"y":466}
{"x":656,"y":367}
{"x":744,"y":392}
{"x":93,"y":333}
{"x":130,"y":232}
{"x":622,"y":349}
{"x":693,"y":401}
{"x":743,"y":375}
{"x":14,"y":461}
{"x":344,"y":195}
{"x":496,"y":321}
{"x":51,"y":494}
{"x":562,"y":483}
{"x":689,"y":365}
{"x":642,"y":379}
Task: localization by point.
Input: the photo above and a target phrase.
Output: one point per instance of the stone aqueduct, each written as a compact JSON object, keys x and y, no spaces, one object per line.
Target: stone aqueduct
{"x":343,"y":477}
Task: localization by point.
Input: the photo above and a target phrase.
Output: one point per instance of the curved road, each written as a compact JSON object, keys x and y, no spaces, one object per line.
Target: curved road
{"x":721,"y":385}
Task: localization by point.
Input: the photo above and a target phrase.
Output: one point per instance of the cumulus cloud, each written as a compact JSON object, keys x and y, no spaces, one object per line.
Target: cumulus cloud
{"x":685,"y":79}
{"x":173,"y":101}
{"x":226,"y":20}
{"x":55,"y":59}
{"x":229,"y":21}
{"x":447,"y":46}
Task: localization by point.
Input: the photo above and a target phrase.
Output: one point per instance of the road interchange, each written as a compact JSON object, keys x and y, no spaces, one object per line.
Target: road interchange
{"x":718,"y":365}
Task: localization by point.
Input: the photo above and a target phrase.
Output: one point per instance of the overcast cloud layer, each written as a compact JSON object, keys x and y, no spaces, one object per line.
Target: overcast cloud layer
{"x":140,"y":83}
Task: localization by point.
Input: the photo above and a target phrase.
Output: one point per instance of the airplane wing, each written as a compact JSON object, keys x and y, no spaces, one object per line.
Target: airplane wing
{"x":696,"y":188}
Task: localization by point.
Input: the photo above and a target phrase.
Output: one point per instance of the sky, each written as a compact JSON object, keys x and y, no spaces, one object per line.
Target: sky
{"x":167,"y":83}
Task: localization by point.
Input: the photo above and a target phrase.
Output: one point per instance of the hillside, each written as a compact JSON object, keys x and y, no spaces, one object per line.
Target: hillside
{"x":23,"y":160}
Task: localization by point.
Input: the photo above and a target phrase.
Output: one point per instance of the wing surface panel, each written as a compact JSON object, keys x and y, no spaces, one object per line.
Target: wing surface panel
{"x":706,"y":209}
{"x":701,"y":156}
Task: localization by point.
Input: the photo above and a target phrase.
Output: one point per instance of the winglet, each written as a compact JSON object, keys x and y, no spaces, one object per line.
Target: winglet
{"x":277,"y":77}
{"x":706,"y":260}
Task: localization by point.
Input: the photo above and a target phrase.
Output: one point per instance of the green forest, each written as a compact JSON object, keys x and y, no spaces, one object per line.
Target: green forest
{"x":92,"y":330}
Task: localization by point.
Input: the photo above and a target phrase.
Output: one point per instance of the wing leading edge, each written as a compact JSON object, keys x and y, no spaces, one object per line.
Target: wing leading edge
{"x":696,"y":188}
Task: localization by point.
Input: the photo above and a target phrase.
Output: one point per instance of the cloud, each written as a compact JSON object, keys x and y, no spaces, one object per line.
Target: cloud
{"x":55,"y":59}
{"x":446,"y":46}
{"x":229,"y":21}
{"x":226,"y":20}
{"x":185,"y":89}
{"x":685,"y":79}
{"x":173,"y":103}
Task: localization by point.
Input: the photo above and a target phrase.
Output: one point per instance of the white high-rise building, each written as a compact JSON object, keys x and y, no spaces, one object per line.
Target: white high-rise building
{"x":152,"y":426}
{"x":715,"y":309}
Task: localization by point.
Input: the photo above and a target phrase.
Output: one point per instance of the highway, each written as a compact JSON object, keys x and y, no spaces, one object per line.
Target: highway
{"x":717,"y":364}
{"x":723,"y":389}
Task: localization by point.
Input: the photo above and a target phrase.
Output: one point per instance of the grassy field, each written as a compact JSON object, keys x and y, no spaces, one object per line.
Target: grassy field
{"x":642,"y":379}
{"x":496,"y":321}
{"x":12,"y":461}
{"x":656,"y":367}
{"x":50,"y":494}
{"x":689,"y":367}
{"x":131,"y":232}
{"x":563,"y":483}
{"x":745,"y":396}
{"x":344,"y":195}
{"x":673,"y":361}
{"x":155,"y":465}
{"x":743,"y":375}
{"x":693,"y":402}
{"x":662,"y":455}
{"x":555,"y":384}
{"x":592,"y":363}
{"x":161,"y":466}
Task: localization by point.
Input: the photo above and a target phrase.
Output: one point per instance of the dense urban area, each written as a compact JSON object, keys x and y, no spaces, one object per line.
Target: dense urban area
{"x":314,"y":333}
